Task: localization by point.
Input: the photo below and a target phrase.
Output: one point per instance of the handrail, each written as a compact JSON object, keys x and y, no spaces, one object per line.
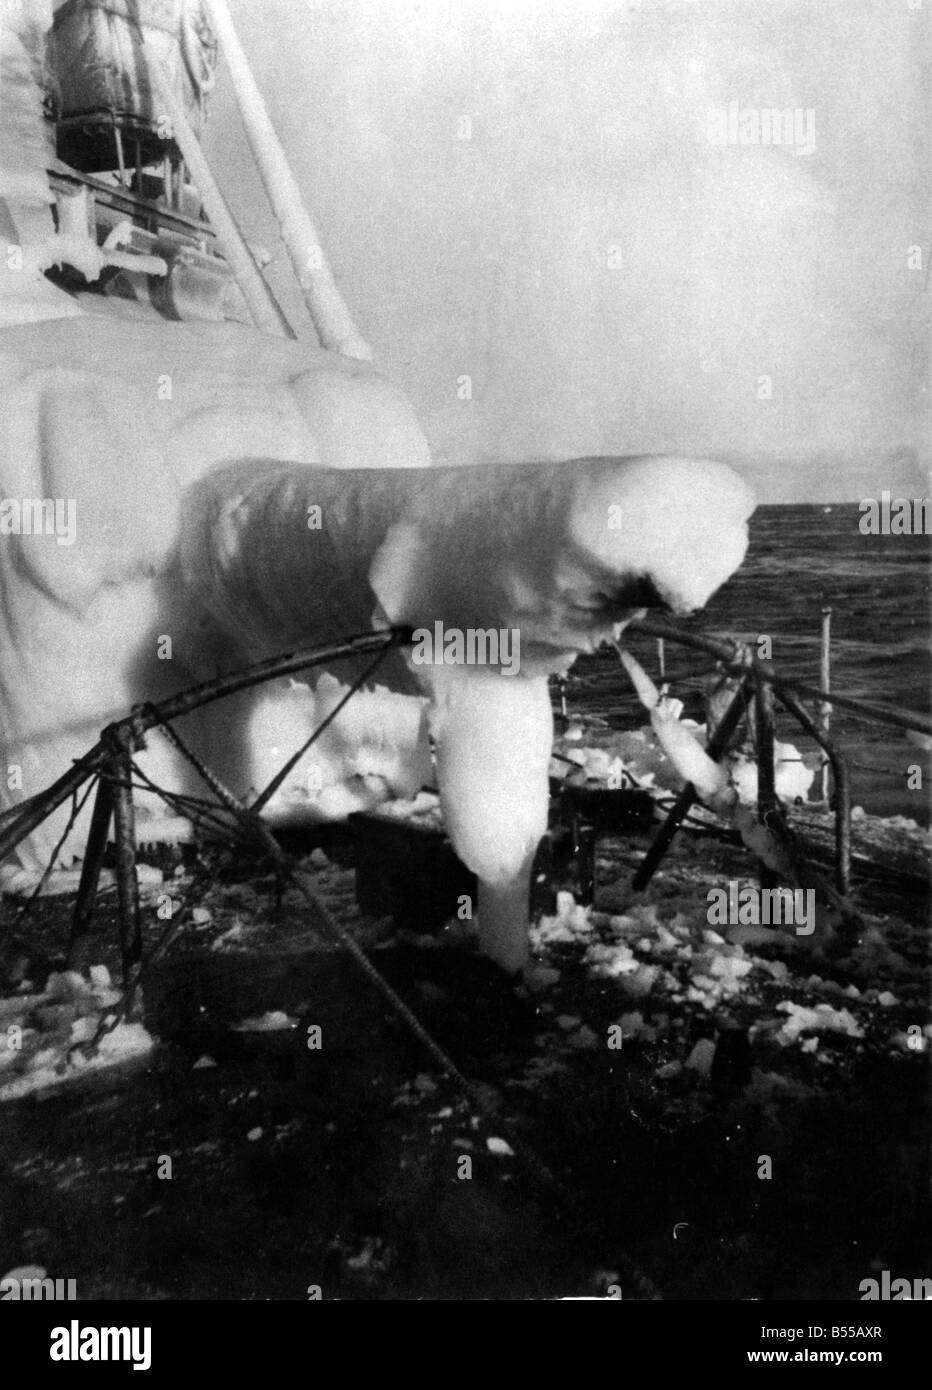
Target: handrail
{"x":145,"y":717}
{"x":729,"y":652}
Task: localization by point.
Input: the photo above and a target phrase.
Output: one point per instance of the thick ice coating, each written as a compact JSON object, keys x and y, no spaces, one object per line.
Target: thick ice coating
{"x":200,"y":543}
{"x":561,"y":553}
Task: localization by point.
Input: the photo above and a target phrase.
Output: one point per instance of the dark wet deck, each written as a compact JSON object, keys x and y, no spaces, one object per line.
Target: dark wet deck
{"x":338,"y":1167}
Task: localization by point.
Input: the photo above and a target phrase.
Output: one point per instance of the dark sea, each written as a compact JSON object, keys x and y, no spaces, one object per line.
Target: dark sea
{"x":801,"y":559}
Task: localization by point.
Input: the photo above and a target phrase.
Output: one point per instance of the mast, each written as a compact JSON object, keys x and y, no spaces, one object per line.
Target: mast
{"x":262,"y":304}
{"x":328,"y":310}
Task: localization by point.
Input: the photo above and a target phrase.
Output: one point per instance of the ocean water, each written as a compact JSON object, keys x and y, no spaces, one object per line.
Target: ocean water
{"x":801,"y":559}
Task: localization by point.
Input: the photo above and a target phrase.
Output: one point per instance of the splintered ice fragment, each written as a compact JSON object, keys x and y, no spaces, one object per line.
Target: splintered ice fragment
{"x":274,"y":1021}
{"x":125,"y":1040}
{"x":640,"y":982}
{"x":83,"y":1029}
{"x":730,"y":968}
{"x":611,"y":961}
{"x":570,"y":923}
{"x":499,"y":1147}
{"x":821,"y":1019}
{"x":701,"y":1058}
{"x":775,"y":968}
{"x":668,"y":1071}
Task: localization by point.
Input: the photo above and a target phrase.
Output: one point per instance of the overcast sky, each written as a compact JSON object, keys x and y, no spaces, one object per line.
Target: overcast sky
{"x":612,"y":277}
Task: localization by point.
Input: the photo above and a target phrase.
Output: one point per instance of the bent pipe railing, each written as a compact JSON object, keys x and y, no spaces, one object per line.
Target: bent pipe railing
{"x":730,"y":653}
{"x":736,"y":657}
{"x":145,"y":717}
{"x":687,"y":796}
{"x":117,"y":739}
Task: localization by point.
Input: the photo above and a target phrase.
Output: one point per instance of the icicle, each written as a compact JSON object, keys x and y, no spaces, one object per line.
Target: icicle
{"x":691,"y":762}
{"x":494,"y":737}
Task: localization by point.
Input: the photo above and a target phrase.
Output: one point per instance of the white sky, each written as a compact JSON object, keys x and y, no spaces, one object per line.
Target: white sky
{"x":490,"y":257}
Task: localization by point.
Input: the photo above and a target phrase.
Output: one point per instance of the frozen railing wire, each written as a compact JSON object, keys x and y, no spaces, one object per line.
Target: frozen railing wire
{"x":142,"y":719}
{"x":730,"y":654}
{"x":735,"y":657}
